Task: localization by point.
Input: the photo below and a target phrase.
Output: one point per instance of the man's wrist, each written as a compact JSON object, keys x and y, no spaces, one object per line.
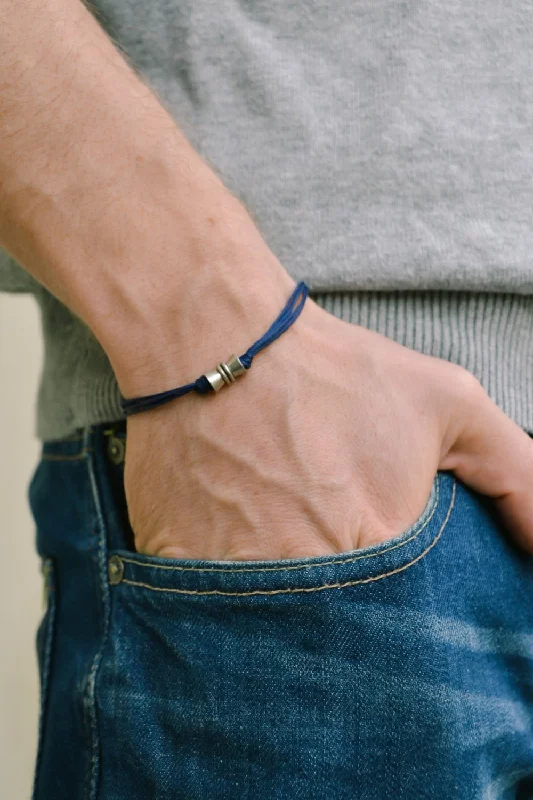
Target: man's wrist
{"x":164,"y":339}
{"x":165,"y":266}
{"x":185,"y":276}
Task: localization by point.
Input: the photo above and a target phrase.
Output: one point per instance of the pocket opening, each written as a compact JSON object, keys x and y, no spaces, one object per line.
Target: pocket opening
{"x":336,"y":570}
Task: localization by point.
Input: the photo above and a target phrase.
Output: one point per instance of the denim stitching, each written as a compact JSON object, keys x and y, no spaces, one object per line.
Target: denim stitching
{"x":298,"y":566}
{"x":46,"y":672}
{"x":305,"y":589}
{"x":91,"y":682}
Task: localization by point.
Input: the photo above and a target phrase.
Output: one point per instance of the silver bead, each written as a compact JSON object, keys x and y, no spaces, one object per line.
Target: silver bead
{"x":235,"y":366}
{"x":225,"y":373}
{"x":215,"y":379}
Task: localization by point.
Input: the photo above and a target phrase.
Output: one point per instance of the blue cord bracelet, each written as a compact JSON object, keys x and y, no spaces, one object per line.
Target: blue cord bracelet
{"x":225,"y":373}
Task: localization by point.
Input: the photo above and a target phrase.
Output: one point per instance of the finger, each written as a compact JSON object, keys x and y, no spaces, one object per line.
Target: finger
{"x":491,"y":454}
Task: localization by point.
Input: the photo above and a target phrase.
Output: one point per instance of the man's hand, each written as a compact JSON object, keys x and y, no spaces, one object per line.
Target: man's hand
{"x":330,"y":443}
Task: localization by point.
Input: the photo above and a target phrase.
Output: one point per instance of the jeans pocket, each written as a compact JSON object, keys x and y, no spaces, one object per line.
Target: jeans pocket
{"x":343,"y":675}
{"x":255,"y":679}
{"x":136,"y":572}
{"x":44,"y":643}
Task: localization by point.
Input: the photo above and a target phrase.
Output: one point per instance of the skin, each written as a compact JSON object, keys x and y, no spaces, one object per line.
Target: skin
{"x":332,"y":440}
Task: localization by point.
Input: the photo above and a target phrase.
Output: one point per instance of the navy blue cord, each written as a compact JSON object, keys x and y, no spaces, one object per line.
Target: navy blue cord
{"x":288,"y":315}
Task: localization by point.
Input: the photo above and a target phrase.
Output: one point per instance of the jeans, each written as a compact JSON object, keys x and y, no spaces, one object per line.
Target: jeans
{"x":402,"y":670}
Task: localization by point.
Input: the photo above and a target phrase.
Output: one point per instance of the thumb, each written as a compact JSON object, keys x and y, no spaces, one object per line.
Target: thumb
{"x":491,"y":454}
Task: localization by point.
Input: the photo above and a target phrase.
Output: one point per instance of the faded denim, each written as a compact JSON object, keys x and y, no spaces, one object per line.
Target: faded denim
{"x":402,"y":670}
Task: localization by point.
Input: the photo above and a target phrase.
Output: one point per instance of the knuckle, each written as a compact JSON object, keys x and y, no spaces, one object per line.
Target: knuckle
{"x":465,"y":383}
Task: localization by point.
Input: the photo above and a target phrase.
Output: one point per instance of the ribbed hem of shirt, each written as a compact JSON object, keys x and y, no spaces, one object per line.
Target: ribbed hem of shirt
{"x":491,"y":335}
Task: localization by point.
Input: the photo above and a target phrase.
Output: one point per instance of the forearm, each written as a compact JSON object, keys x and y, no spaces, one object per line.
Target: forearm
{"x":104,"y":201}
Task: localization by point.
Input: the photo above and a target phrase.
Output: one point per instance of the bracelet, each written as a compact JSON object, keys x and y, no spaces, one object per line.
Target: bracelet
{"x":225,"y":373}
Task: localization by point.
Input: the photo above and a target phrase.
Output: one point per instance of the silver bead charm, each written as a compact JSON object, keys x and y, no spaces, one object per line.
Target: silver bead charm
{"x":215,"y":380}
{"x":225,"y":373}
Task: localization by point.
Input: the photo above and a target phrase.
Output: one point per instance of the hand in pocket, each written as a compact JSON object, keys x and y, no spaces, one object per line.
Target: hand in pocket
{"x":329,"y":444}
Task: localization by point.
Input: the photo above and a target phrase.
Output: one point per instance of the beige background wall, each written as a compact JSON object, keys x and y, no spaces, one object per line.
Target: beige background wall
{"x":20,"y":579}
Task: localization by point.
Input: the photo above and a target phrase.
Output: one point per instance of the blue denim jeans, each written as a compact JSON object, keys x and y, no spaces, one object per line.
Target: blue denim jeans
{"x":398,"y":671}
